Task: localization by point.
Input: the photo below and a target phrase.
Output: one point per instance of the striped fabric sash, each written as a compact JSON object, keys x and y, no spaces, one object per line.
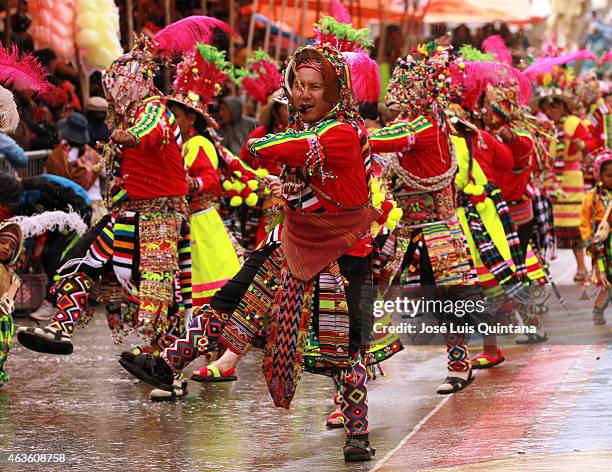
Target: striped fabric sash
{"x":124,"y":231}
{"x":511,"y":281}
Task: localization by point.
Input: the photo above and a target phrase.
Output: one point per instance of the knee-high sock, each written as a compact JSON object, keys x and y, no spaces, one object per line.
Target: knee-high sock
{"x":458,"y":358}
{"x":354,"y":389}
{"x":72,"y":294}
{"x":202,"y":335}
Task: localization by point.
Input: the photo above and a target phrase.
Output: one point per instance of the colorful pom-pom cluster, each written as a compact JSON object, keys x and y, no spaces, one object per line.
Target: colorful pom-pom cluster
{"x":240,"y":192}
{"x":242,"y":188}
{"x":391,"y":214}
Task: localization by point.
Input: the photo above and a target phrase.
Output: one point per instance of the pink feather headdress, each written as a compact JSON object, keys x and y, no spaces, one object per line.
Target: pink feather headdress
{"x":182,"y":36}
{"x":494,"y":44}
{"x":338,"y":11}
{"x":261,"y":78}
{"x":22,"y":73}
{"x":543,"y":65}
{"x":365,"y":76}
{"x":475,"y":77}
{"x":342,"y":36}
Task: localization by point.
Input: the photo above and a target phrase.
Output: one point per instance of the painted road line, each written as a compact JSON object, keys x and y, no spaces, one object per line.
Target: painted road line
{"x":415,"y":430}
{"x":488,"y":420}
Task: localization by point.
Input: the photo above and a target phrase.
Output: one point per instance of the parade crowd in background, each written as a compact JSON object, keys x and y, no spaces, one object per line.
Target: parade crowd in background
{"x":211,"y":207}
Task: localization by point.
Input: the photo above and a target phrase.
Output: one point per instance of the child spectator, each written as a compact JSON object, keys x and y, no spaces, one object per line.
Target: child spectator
{"x":10,"y":249}
{"x":596,"y":235}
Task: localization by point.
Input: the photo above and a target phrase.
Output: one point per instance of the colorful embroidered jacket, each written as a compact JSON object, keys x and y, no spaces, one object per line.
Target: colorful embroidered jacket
{"x":335,"y":157}
{"x":495,"y":158}
{"x":425,"y":192}
{"x":423,"y":146}
{"x":515,"y":185}
{"x":155,"y":167}
{"x":202,"y":163}
{"x":600,"y":118}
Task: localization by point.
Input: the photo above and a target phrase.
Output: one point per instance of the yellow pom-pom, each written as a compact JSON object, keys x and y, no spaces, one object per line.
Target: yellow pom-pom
{"x":251,"y":200}
{"x":267,"y":191}
{"x":478,"y":190}
{"x":239,"y":186}
{"x":375,"y":229}
{"x":253,"y":184}
{"x":261,"y":173}
{"x":469,"y":189}
{"x":236,"y":201}
{"x":237,"y":173}
{"x":377,"y":199}
{"x":227,"y":185}
{"x":390,"y":224}
{"x":396,"y":214}
{"x":375,"y":186}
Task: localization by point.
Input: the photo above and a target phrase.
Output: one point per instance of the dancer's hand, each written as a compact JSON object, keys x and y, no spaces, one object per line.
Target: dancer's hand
{"x":275,"y":186}
{"x":506,"y":134}
{"x":578,"y":144}
{"x":191,"y":182}
{"x":120,"y":136}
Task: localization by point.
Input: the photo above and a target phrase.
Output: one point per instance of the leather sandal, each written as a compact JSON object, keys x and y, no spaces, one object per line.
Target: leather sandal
{"x":454,"y":384}
{"x":357,"y":450}
{"x":45,"y":339}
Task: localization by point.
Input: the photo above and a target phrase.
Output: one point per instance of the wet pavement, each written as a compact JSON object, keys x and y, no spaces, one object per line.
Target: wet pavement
{"x":548,"y":407}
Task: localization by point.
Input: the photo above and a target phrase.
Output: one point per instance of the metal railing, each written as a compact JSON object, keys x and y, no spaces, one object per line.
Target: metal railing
{"x":36,"y":164}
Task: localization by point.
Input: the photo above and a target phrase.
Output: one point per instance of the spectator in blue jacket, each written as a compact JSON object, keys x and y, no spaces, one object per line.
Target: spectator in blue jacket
{"x":12,"y":151}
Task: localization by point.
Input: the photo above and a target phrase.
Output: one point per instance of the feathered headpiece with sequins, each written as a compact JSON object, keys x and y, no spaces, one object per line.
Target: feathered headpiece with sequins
{"x":199,"y":78}
{"x":422,"y":86}
{"x":260,"y":78}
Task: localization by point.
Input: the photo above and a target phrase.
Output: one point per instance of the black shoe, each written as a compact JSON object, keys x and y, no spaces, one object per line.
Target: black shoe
{"x":150,"y":369}
{"x":179,"y":390}
{"x":45,"y":340}
{"x":357,"y":450}
{"x":131,"y":355}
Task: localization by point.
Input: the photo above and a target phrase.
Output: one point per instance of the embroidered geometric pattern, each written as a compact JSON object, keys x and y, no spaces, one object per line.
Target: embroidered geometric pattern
{"x":354,"y":390}
{"x":457,"y":353}
{"x":285,"y":344}
{"x":201,"y":336}
{"x":72,"y":294}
